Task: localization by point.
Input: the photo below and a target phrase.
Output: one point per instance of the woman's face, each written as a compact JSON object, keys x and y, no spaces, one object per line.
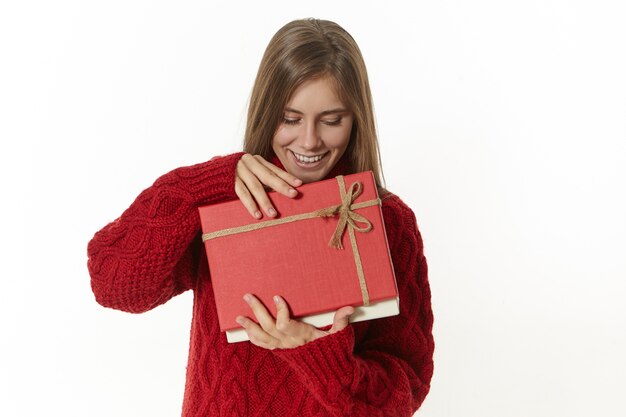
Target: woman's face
{"x":314,"y":132}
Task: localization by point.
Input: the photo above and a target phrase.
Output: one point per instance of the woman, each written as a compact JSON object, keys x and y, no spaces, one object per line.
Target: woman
{"x":310,"y":118}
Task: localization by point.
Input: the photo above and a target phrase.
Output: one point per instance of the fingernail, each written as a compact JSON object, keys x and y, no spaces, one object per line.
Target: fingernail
{"x":277,"y":300}
{"x":240,"y":320}
{"x":247,"y":298}
{"x":298,"y":181}
{"x":257,"y":214}
{"x":292,"y":191}
{"x":271,"y":212}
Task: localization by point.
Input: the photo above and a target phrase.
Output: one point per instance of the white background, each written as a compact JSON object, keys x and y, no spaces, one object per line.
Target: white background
{"x":502,"y":124}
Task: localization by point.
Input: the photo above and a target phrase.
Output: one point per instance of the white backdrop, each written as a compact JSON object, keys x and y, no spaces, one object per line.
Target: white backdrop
{"x":502,"y":124}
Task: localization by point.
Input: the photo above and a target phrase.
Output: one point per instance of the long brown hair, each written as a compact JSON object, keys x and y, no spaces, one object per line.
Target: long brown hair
{"x":302,"y":50}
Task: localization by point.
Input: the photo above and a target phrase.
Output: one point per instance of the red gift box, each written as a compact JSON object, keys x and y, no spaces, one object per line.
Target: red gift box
{"x":326,"y":249}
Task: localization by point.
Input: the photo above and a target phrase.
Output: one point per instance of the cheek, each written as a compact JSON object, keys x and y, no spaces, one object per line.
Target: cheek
{"x":339,"y":137}
{"x":282,"y":137}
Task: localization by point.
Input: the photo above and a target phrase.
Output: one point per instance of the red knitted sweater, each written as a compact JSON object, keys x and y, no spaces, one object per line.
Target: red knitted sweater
{"x":153,"y":252}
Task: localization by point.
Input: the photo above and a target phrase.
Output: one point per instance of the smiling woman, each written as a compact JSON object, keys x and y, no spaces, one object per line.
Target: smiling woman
{"x":315,"y":131}
{"x":310,"y":118}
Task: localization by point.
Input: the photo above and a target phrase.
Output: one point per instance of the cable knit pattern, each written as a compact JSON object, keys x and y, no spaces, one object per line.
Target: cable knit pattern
{"x":153,"y":252}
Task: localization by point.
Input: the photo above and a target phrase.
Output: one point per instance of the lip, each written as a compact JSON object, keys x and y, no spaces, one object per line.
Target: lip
{"x":312,"y":165}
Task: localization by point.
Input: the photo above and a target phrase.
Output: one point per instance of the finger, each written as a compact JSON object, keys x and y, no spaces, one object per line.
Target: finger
{"x":255,"y":187}
{"x":264,"y":318}
{"x":271,"y":176}
{"x":341,"y":319}
{"x":283,"y":320}
{"x":256,"y":334}
{"x":287,"y":183}
{"x":246,"y":198}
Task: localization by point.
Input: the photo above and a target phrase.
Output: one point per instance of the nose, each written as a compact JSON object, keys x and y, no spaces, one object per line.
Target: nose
{"x":310,"y":138}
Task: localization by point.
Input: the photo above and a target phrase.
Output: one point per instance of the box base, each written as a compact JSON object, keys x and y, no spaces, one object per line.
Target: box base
{"x":385,"y":308}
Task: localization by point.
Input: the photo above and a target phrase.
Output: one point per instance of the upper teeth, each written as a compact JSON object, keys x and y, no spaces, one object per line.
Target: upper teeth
{"x":308,"y":159}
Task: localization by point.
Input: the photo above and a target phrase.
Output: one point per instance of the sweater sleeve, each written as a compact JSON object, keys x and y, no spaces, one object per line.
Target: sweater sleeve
{"x":146,"y":256}
{"x":380,"y":367}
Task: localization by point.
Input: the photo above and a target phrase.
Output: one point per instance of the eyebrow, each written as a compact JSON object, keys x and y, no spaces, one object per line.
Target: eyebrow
{"x":324,"y":113}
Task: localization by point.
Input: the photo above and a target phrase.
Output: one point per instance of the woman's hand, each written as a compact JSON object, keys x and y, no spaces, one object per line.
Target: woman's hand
{"x":252,"y":176}
{"x":285,"y":332}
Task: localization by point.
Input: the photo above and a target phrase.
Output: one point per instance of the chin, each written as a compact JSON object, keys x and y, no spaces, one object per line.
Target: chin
{"x":308,"y":177}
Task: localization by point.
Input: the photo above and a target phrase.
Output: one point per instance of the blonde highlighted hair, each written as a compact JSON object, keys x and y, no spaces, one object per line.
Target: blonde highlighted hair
{"x":302,"y":50}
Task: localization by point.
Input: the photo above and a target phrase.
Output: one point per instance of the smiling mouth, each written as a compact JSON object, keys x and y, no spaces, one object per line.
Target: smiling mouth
{"x":308,"y":159}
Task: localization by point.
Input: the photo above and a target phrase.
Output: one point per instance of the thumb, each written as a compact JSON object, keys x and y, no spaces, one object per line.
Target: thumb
{"x":341,"y":319}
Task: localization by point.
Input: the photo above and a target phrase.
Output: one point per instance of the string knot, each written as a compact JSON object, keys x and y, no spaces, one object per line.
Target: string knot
{"x":347,"y":217}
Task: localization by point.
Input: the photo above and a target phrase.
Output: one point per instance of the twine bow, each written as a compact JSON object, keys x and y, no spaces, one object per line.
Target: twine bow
{"x":347,"y":217}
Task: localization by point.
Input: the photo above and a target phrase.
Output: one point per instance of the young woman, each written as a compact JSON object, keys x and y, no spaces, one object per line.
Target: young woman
{"x":310,"y":118}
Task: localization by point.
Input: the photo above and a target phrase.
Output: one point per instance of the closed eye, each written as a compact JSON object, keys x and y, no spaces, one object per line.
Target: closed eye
{"x":334,"y":122}
{"x":289,"y":121}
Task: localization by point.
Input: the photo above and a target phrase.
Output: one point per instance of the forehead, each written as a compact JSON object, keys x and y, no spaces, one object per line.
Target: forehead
{"x":315,"y":94}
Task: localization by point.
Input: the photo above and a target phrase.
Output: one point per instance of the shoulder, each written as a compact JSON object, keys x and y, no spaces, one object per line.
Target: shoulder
{"x":399,"y":218}
{"x":221,"y":164}
{"x":201,"y":183}
{"x":393,"y":204}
